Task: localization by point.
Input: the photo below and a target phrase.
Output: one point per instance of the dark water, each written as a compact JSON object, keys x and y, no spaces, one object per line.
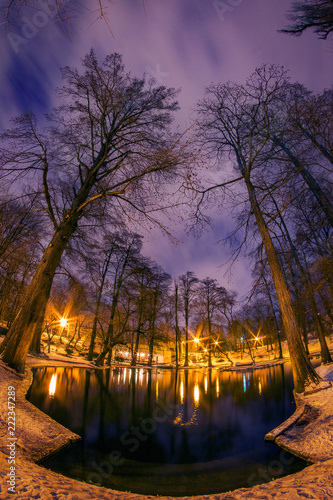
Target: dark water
{"x":169,"y":432}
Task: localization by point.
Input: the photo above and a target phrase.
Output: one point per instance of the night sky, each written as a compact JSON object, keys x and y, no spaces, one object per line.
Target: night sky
{"x":185,"y":44}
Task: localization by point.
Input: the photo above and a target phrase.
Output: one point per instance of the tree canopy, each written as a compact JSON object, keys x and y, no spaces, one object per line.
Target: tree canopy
{"x":314,"y":14}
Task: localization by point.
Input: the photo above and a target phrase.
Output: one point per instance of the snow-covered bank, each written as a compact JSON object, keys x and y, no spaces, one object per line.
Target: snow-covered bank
{"x":35,"y":434}
{"x":309,"y":432}
{"x":34,"y":482}
{"x":38,"y":435}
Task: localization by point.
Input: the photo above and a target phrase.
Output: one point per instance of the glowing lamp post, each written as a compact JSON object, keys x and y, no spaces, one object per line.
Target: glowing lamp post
{"x":63,"y":322}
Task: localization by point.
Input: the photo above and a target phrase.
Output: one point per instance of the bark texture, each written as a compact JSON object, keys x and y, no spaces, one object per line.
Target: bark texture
{"x":303,"y":371}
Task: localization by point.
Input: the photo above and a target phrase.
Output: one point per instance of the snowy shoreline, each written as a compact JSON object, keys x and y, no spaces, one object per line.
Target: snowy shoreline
{"x":308,"y":434}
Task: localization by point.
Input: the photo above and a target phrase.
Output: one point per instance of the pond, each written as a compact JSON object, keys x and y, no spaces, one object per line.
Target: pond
{"x":168,"y":432}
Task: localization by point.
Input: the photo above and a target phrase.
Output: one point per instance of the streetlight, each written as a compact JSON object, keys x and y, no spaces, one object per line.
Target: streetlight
{"x":63,"y":322}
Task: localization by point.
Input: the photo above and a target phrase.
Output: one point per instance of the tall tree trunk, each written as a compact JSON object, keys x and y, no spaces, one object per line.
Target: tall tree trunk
{"x":110,"y":347}
{"x":176,"y":323}
{"x":275,"y":318}
{"x":18,"y":299}
{"x":36,"y":339}
{"x":31,"y":314}
{"x":209,"y":334}
{"x":186,"y":334}
{"x":299,"y":307}
{"x":303,"y":371}
{"x":324,"y":351}
{"x":151,"y":350}
{"x":313,"y":185}
{"x":136,"y":348}
{"x":316,"y":143}
{"x":98,"y":304}
{"x":306,"y":279}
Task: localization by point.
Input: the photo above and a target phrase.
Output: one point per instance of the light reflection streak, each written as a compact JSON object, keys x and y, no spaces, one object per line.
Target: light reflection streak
{"x":53,"y":385}
{"x":196,"y":394}
{"x":182,"y":391}
{"x":244,"y":383}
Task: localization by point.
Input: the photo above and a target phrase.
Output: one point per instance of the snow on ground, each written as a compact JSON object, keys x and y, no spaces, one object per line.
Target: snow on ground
{"x":308,"y":434}
{"x":34,"y":482}
{"x":311,"y":435}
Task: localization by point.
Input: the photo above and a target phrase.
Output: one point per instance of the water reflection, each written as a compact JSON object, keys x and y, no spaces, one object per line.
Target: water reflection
{"x":53,"y":385}
{"x":196,"y":394}
{"x":223,"y":404}
{"x":165,"y":416}
{"x":182,"y":391}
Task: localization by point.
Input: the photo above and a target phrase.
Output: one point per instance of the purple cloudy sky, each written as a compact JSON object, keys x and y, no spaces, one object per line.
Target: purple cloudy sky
{"x":186,"y":44}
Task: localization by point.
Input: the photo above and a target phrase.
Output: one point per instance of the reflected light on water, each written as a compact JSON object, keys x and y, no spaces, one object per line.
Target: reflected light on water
{"x":192,"y":427}
{"x":196,"y":394}
{"x":244,"y":383}
{"x":182,"y":392}
{"x":52,"y":386}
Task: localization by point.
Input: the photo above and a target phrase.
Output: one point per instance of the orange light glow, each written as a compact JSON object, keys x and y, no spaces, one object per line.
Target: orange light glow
{"x":196,"y":394}
{"x":53,"y":385}
{"x":63,"y":322}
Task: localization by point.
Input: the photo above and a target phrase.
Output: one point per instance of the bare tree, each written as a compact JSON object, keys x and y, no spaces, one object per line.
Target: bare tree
{"x":235,"y":124}
{"x":98,"y":272}
{"x":158,"y":292}
{"x":108,"y":149}
{"x":306,"y":282}
{"x":139,"y":285}
{"x":314,"y":14}
{"x":187,"y":283}
{"x":126,"y":250}
{"x":210,"y":299}
{"x":20,"y":234}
